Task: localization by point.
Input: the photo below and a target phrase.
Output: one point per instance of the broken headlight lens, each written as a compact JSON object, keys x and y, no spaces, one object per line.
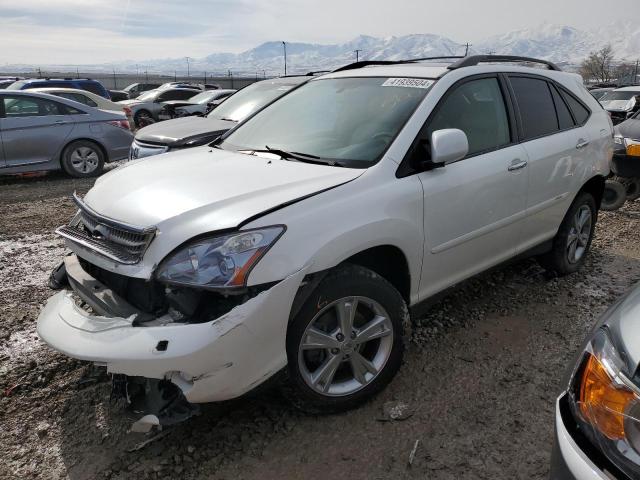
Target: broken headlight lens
{"x":218,"y":262}
{"x":606,"y":404}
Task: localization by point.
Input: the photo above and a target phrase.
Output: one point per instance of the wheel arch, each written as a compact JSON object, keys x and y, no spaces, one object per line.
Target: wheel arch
{"x":594,"y":186}
{"x":84,"y":139}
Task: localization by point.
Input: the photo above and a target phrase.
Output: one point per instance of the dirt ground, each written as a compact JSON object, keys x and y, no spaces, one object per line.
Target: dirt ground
{"x":481,"y":377}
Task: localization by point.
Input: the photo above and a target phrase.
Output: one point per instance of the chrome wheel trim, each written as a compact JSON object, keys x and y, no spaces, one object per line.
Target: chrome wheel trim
{"x":84,"y":159}
{"x":345,"y":346}
{"x":579,"y":234}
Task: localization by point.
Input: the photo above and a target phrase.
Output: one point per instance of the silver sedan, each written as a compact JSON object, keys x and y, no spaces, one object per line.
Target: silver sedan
{"x":43,"y":132}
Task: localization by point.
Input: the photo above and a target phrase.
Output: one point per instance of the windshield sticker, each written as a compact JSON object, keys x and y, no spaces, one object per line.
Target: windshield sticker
{"x":408,"y":82}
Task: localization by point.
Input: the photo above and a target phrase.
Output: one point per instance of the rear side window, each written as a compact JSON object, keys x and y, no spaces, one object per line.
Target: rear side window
{"x":580,"y":112}
{"x":537,"y":111}
{"x":565,"y":121}
{"x":93,"y":88}
{"x":18,"y":107}
{"x":477,"y":108}
{"x":76,"y":97}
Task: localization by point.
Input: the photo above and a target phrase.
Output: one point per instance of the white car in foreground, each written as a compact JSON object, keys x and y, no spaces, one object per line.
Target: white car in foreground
{"x":598,"y":414}
{"x":300,"y":239}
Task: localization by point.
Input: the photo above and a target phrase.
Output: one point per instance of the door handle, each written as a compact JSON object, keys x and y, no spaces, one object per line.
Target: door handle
{"x":582,"y":143}
{"x":517,"y":165}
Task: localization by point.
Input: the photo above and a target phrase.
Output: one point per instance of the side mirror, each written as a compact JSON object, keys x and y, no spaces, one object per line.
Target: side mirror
{"x":447,"y":146}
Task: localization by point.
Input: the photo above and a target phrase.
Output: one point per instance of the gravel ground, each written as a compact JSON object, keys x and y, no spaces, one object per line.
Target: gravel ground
{"x":480,"y":377}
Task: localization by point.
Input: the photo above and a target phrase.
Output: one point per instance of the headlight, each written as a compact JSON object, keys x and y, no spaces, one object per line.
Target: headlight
{"x":218,"y":262}
{"x":607,"y":404}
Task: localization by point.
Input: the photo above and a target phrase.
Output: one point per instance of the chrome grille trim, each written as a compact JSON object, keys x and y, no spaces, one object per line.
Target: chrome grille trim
{"x":124,"y":243}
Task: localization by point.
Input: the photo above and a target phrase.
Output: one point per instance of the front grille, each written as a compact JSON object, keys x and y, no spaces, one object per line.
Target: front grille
{"x":117,"y":241}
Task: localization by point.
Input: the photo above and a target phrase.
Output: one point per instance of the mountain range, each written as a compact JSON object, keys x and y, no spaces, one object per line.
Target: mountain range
{"x":565,"y":45}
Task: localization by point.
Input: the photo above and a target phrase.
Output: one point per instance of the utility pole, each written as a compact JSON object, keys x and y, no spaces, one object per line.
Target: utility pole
{"x":77,"y":72}
{"x":115,"y":83}
{"x":466,"y":50}
{"x":137,"y":72}
{"x":635,"y":74}
{"x":264,"y":74}
{"x":39,"y":73}
{"x":188,"y":58}
{"x":205,"y":77}
{"x":284,"y":46}
{"x":231,"y":77}
{"x":357,"y":50}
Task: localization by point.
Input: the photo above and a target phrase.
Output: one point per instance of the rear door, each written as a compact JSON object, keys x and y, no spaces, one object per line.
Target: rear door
{"x":553,"y":143}
{"x":474,"y":209}
{"x":33,"y":129}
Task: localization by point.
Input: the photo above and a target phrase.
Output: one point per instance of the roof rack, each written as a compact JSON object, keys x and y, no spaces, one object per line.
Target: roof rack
{"x":474,"y":60}
{"x":366,"y":63}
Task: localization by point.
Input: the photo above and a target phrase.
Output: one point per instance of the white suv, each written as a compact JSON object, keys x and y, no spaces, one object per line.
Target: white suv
{"x":299,"y":240}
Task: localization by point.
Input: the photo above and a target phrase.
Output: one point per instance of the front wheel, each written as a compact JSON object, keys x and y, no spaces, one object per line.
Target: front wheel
{"x":346,"y":343}
{"x":571,"y":243}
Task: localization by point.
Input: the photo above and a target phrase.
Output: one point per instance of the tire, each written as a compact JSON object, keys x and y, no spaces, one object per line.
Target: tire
{"x":571,"y":243}
{"x":82,"y":159}
{"x":631,"y":185}
{"x":377,"y":301}
{"x":143,"y":118}
{"x":614,"y":195}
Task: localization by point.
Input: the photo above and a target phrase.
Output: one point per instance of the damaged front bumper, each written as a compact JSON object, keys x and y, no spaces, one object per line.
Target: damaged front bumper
{"x":213,"y":361}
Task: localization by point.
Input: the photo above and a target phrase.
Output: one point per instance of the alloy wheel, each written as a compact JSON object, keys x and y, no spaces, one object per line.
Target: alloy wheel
{"x":345,"y":346}
{"x":579,"y":235}
{"x":84,"y":159}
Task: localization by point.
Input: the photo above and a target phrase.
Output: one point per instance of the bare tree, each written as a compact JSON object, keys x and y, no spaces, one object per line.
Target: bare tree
{"x":599,"y":65}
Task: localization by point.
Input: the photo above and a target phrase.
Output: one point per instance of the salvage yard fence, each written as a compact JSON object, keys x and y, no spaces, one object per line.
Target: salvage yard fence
{"x":117,"y":81}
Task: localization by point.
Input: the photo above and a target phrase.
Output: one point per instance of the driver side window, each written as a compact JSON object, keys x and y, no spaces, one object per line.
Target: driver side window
{"x":477,"y":108}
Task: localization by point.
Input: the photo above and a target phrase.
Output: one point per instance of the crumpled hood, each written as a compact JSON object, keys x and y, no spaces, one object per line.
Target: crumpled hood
{"x":177,"y":131}
{"x":629,"y":128}
{"x":615,"y":105}
{"x":204,"y":189}
{"x":624,"y":324}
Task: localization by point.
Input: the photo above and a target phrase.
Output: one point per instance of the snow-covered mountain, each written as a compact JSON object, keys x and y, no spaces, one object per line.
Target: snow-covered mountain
{"x":562,"y":44}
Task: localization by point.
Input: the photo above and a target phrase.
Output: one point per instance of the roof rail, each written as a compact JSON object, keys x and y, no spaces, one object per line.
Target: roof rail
{"x":366,"y":63}
{"x":474,"y":60}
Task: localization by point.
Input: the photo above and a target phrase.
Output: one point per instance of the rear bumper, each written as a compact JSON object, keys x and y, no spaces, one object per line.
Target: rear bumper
{"x":213,"y":361}
{"x":568,"y":461}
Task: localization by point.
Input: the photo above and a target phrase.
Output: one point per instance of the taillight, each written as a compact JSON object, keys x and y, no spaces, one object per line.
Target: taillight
{"x":124,"y":124}
{"x":127,"y":110}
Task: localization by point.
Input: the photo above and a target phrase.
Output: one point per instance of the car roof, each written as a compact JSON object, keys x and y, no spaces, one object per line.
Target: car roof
{"x":629,"y":89}
{"x":64,"y":89}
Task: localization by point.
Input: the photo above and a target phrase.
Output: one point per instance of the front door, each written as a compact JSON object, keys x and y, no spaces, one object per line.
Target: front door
{"x":33,"y":129}
{"x":474,"y":209}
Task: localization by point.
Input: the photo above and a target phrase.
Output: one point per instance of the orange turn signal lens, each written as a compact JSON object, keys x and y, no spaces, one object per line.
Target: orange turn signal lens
{"x":633,"y":150}
{"x":602,"y":402}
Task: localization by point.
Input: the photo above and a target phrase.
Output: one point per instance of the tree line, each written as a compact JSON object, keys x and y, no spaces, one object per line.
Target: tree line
{"x":602,"y":67}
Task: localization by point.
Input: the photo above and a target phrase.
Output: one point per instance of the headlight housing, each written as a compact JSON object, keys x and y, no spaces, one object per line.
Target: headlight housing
{"x":219,"y":262}
{"x":606,"y":404}
{"x":619,"y":140}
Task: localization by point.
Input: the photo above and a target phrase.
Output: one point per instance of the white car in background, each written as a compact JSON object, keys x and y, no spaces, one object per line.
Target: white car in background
{"x":201,"y":104}
{"x":300,"y":239}
{"x":89,"y":99}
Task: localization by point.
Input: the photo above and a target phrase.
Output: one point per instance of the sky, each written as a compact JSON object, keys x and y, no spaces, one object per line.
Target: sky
{"x":80,"y":32}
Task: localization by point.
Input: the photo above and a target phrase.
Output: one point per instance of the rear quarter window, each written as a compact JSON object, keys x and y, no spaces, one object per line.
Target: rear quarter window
{"x":580,"y":112}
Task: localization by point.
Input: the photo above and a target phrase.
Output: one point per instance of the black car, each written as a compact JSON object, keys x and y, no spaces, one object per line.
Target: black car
{"x":136,"y":89}
{"x":194,"y":131}
{"x":118,"y":95}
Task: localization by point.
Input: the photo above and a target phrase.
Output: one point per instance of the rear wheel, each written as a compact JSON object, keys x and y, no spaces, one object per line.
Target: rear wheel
{"x":614,"y":195}
{"x":346,"y":343}
{"x":143,"y":118}
{"x":82,"y":158}
{"x":571,"y":243}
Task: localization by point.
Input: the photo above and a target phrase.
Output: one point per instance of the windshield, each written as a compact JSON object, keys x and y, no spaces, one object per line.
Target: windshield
{"x":619,"y":95}
{"x":350,"y":121}
{"x":203,"y":97}
{"x":248,"y":100}
{"x":150,"y":95}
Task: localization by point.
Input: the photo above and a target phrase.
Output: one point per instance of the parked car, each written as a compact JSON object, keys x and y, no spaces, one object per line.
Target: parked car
{"x":6,"y":81}
{"x":621,"y":103}
{"x":598,"y":93}
{"x":136,"y":89}
{"x":194,"y":131}
{"x":200,"y":104}
{"x":300,"y":239}
{"x":89,"y":99}
{"x":87,"y":84}
{"x":118,"y":95}
{"x":146,"y":108}
{"x":195,"y":86}
{"x":597,"y":419}
{"x":45,"y":132}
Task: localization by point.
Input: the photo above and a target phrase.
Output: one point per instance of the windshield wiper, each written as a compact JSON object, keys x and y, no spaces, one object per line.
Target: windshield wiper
{"x":301,"y":157}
